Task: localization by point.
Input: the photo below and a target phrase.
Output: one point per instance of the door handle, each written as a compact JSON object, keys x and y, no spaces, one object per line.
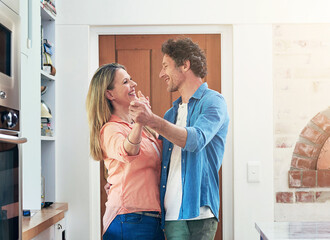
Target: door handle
{"x":12,"y":139}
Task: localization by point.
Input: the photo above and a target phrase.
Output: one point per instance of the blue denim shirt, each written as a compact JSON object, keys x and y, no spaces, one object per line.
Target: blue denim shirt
{"x":201,"y":158}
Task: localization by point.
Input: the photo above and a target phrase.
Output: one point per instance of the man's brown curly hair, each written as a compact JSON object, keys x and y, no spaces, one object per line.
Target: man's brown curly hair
{"x":184,"y":49}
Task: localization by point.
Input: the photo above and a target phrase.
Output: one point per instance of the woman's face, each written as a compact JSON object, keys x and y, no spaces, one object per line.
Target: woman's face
{"x":124,"y":89}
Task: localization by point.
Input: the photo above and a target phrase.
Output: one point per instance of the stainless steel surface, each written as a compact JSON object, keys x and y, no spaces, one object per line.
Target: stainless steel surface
{"x":9,"y":83}
{"x":11,"y":139}
{"x":3,"y":95}
{"x":9,"y":132}
{"x":10,"y":118}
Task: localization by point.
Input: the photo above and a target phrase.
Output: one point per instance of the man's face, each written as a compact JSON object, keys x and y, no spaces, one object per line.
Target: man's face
{"x":171,"y":74}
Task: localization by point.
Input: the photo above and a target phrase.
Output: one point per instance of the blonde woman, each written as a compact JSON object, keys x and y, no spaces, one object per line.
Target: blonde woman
{"x":130,"y":153}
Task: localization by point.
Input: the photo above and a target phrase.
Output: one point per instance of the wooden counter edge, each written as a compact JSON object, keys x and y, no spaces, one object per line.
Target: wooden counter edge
{"x":57,"y":209}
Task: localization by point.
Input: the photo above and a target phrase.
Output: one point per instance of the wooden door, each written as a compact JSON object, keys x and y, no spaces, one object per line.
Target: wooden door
{"x":142,"y":57}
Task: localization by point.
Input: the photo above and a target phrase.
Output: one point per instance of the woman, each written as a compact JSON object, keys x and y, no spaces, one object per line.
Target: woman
{"x":131,"y":154}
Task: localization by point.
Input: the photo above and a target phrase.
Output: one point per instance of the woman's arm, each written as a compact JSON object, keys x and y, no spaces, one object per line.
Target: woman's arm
{"x":133,"y":140}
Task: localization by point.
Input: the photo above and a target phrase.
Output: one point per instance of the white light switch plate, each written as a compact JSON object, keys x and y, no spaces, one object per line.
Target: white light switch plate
{"x":29,"y":43}
{"x":253,"y":171}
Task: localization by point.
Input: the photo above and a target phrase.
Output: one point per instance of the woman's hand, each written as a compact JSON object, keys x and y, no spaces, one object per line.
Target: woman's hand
{"x":107,"y":187}
{"x":143,"y":99}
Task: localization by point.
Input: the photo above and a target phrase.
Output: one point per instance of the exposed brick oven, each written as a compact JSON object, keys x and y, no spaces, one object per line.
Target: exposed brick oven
{"x":310,"y":164}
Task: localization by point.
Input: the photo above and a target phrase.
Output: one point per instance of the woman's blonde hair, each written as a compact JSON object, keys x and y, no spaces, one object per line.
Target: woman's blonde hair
{"x":99,"y":108}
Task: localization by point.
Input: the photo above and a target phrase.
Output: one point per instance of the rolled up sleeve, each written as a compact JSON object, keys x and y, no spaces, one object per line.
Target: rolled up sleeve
{"x":113,"y":144}
{"x":211,"y":117}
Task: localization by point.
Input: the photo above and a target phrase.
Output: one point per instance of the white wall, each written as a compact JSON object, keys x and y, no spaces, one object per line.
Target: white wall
{"x":130,"y":12}
{"x":253,"y":126}
{"x":72,"y":152}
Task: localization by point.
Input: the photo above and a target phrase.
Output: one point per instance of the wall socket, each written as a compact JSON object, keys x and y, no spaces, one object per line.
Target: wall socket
{"x":253,"y":171}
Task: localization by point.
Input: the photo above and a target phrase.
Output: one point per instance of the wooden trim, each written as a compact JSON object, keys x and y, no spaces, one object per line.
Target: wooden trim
{"x":43,"y":219}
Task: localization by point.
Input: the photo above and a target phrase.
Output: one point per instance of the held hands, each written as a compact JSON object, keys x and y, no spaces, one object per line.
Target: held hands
{"x":144,"y":99}
{"x":140,"y":110}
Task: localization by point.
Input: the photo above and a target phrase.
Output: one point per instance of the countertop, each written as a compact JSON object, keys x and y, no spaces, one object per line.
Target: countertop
{"x":293,"y":230}
{"x":42,"y":220}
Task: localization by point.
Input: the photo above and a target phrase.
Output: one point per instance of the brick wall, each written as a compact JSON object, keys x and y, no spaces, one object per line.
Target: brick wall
{"x":301,"y":75}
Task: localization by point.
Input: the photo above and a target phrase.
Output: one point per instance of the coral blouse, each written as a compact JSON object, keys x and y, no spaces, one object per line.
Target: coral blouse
{"x":135,"y":179}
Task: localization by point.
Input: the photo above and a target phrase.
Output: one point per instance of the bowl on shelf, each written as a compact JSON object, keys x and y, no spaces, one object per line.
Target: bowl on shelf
{"x":43,"y":89}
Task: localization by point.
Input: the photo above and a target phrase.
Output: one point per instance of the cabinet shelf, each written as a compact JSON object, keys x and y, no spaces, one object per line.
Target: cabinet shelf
{"x":46,"y":76}
{"x":48,"y":144}
{"x":46,"y":14}
{"x":47,"y":138}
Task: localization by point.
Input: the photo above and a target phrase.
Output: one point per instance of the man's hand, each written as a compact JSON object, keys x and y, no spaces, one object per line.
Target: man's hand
{"x":107,"y":187}
{"x":141,"y":113}
{"x":140,"y":110}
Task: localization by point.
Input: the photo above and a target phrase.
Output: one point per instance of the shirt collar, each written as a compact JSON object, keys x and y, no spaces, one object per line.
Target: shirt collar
{"x":197,"y":95}
{"x":115,"y":118}
{"x":200,"y":91}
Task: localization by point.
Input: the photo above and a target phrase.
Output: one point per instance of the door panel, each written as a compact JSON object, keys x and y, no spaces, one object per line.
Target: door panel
{"x":137,"y":63}
{"x":107,"y":49}
{"x":160,"y":99}
{"x":142,"y":57}
{"x":212,"y":51}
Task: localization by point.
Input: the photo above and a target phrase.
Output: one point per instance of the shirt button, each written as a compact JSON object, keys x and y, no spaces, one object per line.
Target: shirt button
{"x":163,"y":186}
{"x":164,"y":166}
{"x":170,"y":149}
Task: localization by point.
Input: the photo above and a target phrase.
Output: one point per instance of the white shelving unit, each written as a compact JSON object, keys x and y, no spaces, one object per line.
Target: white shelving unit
{"x":47,"y":76}
{"x":48,"y":143}
{"x":46,"y":138}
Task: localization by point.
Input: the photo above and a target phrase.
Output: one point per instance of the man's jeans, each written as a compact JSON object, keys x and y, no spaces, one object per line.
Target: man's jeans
{"x":204,"y":229}
{"x":134,"y":226}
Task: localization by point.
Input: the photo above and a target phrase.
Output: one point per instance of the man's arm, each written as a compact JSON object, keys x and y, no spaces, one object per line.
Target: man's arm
{"x":143,"y":115}
{"x":172,"y":132}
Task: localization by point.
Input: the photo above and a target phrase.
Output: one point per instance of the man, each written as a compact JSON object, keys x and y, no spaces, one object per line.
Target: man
{"x":194,"y":133}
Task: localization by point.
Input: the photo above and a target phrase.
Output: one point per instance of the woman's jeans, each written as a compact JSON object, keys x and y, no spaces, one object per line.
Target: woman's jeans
{"x":133,"y":226}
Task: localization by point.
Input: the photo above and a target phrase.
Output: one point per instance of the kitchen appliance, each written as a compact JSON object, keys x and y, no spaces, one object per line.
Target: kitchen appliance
{"x":10,"y":175}
{"x":9,"y":57}
{"x":10,"y":140}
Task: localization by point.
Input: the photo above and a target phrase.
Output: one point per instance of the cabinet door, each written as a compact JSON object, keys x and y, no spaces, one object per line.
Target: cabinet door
{"x":48,"y":234}
{"x":60,"y":230}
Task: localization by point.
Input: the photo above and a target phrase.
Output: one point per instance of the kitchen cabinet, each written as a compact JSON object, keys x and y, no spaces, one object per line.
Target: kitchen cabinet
{"x":38,"y":155}
{"x":30,"y":103}
{"x":49,"y":223}
{"x":48,"y":82}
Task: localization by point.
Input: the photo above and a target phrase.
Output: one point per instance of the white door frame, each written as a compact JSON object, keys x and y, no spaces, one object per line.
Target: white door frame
{"x":227,"y":91}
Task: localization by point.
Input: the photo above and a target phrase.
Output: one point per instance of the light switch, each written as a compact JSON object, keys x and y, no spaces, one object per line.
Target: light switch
{"x":29,"y":43}
{"x":253,"y":171}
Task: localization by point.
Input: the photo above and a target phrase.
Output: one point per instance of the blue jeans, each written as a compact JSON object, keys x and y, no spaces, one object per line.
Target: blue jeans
{"x":133,"y":226}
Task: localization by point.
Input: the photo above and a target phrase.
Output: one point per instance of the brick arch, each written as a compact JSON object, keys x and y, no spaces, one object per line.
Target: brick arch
{"x":310,"y":164}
